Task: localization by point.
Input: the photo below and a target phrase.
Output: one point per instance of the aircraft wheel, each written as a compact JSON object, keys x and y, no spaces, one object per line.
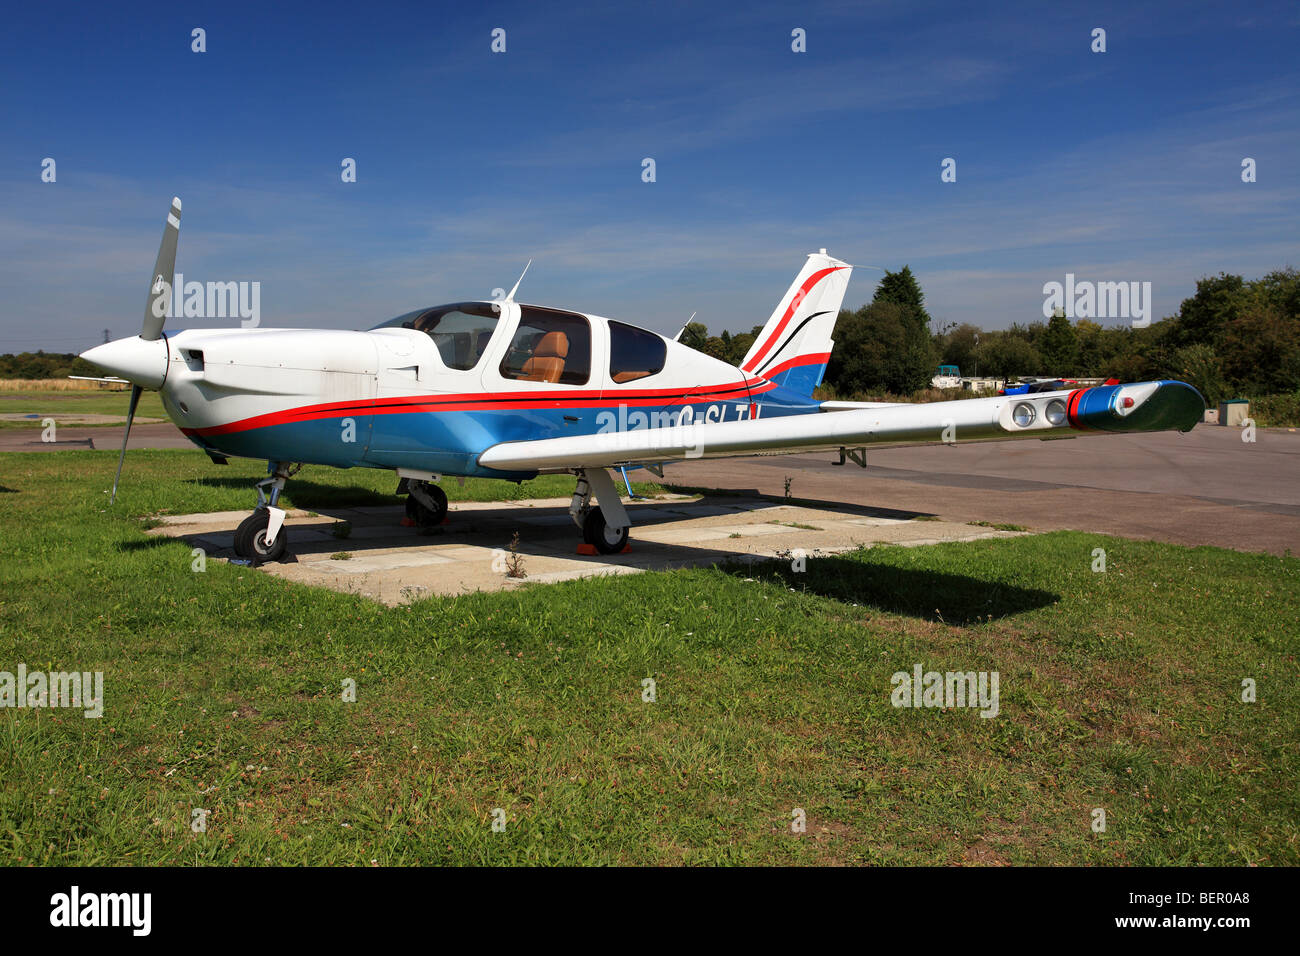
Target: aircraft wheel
{"x":605,"y":539}
{"x":242,"y":547}
{"x":420,"y":514}
{"x":250,"y":539}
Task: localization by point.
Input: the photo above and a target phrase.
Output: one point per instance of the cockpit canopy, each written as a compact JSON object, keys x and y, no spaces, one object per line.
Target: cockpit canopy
{"x":461,"y":330}
{"x":549,"y":345}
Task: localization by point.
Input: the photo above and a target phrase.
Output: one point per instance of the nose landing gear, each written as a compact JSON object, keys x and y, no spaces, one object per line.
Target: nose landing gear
{"x":261,"y":537}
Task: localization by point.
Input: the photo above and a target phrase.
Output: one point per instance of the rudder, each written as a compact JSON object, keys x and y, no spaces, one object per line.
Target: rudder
{"x":795,"y":344}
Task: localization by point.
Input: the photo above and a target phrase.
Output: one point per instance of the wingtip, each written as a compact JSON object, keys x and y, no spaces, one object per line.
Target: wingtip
{"x":1165,"y":405}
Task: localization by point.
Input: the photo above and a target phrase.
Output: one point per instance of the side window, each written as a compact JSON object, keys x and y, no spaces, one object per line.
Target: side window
{"x":549,"y":347}
{"x":460,"y":332}
{"x":634,"y":353}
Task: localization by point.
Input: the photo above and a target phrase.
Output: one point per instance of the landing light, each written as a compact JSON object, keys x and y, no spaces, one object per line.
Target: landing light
{"x":1023,"y":415}
{"x":1055,"y":412}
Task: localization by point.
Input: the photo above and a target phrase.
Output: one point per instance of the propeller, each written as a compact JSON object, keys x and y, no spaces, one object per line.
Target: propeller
{"x":164,"y":270}
{"x":130,"y":416}
{"x":142,"y":360}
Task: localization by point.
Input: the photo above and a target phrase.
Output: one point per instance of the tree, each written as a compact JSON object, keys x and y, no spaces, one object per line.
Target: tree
{"x":1003,"y":355}
{"x":1059,"y":345}
{"x":901,"y":287}
{"x":1088,"y":356}
{"x":695,"y":335}
{"x":880,"y":348}
{"x":1198,"y":366}
{"x":1260,"y":351}
{"x":740,"y":344}
{"x":1204,"y":317}
{"x":957,"y":346}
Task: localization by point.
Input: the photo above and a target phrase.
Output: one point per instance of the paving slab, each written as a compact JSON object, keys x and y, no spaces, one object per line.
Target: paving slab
{"x":383,"y":560}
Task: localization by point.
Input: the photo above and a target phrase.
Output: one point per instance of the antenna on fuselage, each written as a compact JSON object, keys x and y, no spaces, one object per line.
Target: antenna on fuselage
{"x":511,"y":296}
{"x":678,"y":336}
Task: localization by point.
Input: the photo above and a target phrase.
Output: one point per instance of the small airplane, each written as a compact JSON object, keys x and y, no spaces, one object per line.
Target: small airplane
{"x":501,"y":389}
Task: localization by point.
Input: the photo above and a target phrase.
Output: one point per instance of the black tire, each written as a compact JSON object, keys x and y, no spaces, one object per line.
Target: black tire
{"x":243,"y":534}
{"x":422,"y":516}
{"x":250,"y":539}
{"x":599,"y":535}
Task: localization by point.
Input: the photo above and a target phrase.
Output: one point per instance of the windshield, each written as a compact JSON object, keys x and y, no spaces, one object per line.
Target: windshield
{"x":461,"y":331}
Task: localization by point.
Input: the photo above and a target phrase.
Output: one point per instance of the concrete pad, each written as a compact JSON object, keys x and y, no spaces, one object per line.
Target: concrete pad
{"x":366,"y":564}
{"x":395,"y":564}
{"x":1204,"y":487}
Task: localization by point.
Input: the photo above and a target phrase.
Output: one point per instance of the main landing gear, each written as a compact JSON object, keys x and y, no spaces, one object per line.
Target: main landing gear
{"x":261,"y":537}
{"x":604,"y":527}
{"x":426,"y":503}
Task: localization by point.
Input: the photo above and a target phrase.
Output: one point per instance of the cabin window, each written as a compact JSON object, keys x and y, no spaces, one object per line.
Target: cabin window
{"x":549,"y":346}
{"x":634,"y":353}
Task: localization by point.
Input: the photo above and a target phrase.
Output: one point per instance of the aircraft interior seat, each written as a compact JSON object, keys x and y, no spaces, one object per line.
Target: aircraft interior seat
{"x":621,"y":377}
{"x":547,"y":362}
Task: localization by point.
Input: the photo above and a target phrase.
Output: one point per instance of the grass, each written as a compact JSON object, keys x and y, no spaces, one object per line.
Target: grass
{"x":223,"y":691}
{"x":184,"y":482}
{"x":998,"y":526}
{"x":56,"y":403}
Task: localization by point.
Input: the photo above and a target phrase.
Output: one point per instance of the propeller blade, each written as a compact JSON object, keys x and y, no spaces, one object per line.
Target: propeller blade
{"x":130,"y":416}
{"x":164,"y":270}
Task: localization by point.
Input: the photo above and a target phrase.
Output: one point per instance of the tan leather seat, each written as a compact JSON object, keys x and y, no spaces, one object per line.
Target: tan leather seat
{"x":547,"y":363}
{"x":621,"y":377}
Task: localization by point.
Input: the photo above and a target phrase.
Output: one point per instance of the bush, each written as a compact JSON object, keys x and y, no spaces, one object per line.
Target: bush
{"x":1276,"y":411}
{"x":1198,"y":366}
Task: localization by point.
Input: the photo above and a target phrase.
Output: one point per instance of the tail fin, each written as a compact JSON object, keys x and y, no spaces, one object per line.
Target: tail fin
{"x":795,"y":345}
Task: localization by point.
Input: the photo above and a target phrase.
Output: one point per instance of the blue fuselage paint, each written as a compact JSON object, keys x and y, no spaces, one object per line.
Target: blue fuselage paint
{"x":449,"y":442}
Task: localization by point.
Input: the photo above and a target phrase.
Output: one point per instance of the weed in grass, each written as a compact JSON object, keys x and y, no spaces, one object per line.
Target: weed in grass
{"x":515,"y":560}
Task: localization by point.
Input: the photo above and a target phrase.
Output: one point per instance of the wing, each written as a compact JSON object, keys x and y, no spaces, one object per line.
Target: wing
{"x":1146,"y":406}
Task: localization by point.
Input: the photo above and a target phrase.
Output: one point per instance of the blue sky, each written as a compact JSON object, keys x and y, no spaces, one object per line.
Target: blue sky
{"x":1116,"y":166}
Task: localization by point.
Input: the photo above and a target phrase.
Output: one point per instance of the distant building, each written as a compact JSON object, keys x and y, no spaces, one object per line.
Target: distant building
{"x":949,"y":376}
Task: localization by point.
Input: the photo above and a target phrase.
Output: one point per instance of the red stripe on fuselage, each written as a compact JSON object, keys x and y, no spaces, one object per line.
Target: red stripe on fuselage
{"x":795,"y":302}
{"x":499,"y":401}
{"x":818,"y":358}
